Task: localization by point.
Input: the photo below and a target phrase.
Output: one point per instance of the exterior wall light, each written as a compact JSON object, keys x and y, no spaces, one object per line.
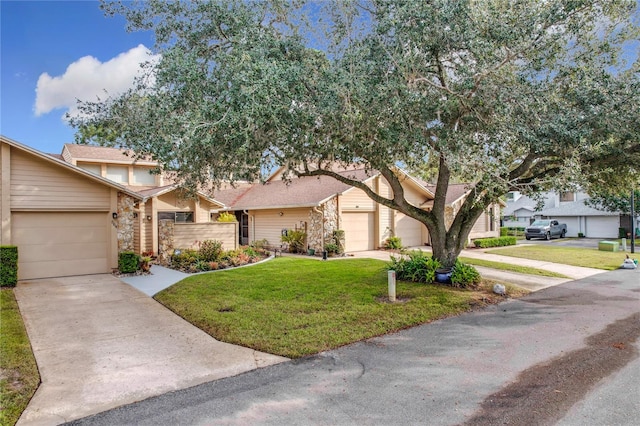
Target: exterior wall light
{"x":149,"y":218}
{"x":114,"y":215}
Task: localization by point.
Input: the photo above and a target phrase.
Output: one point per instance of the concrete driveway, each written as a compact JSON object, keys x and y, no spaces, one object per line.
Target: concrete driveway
{"x":100,"y":343}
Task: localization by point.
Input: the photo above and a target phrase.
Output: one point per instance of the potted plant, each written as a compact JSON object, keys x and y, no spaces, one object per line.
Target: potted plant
{"x":443,"y":275}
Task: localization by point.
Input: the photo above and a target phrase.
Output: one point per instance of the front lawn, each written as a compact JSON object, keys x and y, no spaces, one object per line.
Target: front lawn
{"x":19,"y":376}
{"x":510,"y":267}
{"x":295,"y":307}
{"x":590,"y":258}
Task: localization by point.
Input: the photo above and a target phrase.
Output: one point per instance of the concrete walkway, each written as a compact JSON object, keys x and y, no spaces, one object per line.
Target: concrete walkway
{"x":100,"y":343}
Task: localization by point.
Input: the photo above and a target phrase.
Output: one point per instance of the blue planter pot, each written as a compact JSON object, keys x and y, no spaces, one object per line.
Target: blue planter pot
{"x":443,"y":275}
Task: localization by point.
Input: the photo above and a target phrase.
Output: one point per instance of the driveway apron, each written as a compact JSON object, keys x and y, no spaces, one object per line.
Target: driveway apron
{"x":100,"y":343}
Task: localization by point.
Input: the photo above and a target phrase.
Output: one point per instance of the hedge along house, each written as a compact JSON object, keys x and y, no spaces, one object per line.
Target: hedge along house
{"x":63,"y":219}
{"x":322,"y":205}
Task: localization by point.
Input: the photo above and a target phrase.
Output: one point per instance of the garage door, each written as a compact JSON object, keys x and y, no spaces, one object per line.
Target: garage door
{"x":409,"y":230}
{"x":56,"y":244}
{"x":602,"y":227}
{"x":358,"y":231}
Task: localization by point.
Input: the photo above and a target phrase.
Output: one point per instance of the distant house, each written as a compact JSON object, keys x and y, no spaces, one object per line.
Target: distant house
{"x":322,"y":205}
{"x":566,"y":207}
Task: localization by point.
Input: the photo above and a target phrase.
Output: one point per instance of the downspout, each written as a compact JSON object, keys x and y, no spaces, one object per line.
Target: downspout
{"x":315,"y":209}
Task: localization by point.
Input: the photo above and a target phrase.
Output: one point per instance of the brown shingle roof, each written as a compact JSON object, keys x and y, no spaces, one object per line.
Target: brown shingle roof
{"x":454,"y":192}
{"x":102,"y":153}
{"x":298,"y":192}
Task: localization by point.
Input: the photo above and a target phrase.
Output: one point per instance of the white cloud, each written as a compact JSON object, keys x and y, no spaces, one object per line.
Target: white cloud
{"x":87,"y":79}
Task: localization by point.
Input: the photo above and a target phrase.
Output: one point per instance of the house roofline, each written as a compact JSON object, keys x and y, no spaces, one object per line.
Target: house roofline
{"x":69,"y":167}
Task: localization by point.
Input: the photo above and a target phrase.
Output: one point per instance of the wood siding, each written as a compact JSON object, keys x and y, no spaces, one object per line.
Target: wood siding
{"x":39,"y":185}
{"x":268,"y":224}
{"x":187,"y":235}
{"x":356,"y":200}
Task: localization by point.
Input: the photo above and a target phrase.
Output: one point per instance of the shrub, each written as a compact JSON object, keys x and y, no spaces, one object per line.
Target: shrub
{"x":393,"y":243}
{"x":128,"y":262}
{"x":227,"y":217}
{"x":504,"y":231}
{"x":331,"y":248}
{"x":463,"y":275}
{"x":184,"y":259}
{"x":260,"y":244}
{"x":210,"y":250}
{"x":415,"y":266}
{"x":8,"y":266}
{"x":494,"y":242}
{"x":296,"y":239}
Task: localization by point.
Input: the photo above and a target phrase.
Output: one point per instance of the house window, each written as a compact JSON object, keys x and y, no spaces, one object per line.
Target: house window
{"x":92,"y":168}
{"x":184,"y":217}
{"x":567,"y":197}
{"x":143,"y":176}
{"x":177,"y":217}
{"x":119,"y":174}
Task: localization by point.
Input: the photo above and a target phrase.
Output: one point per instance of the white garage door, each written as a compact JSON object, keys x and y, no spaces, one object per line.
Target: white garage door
{"x":409,"y":230}
{"x":57,"y":244}
{"x":358,"y":231}
{"x":602,"y":227}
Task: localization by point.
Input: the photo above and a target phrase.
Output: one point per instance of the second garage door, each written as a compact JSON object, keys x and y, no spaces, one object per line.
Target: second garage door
{"x":358,"y":231}
{"x":57,"y":244}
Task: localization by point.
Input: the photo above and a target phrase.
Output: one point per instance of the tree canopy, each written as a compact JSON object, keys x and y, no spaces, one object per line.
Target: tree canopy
{"x":505,"y":95}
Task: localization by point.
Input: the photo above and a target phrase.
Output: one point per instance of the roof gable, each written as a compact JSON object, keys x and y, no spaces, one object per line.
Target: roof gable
{"x":61,"y":163}
{"x":100,"y":154}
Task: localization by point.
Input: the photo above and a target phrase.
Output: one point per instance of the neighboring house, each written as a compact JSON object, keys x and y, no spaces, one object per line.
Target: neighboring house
{"x":566,"y":207}
{"x":321,"y":205}
{"x":72,"y":213}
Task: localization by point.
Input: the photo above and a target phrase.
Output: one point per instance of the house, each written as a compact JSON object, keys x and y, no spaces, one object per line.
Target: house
{"x":566,"y":207}
{"x":321,"y":205}
{"x":73,"y":213}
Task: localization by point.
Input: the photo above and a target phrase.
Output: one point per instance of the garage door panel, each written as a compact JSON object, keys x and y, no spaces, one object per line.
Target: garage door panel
{"x":53,"y":244}
{"x":52,"y":251}
{"x":358,"y":231}
{"x":409,"y":230}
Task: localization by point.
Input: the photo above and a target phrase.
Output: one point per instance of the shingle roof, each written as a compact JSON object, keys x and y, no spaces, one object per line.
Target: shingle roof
{"x":577,"y":208}
{"x":455,"y":191}
{"x":102,"y":153}
{"x":298,"y":192}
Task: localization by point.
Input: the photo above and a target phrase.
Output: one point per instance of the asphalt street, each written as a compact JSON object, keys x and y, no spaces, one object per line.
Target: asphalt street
{"x":566,"y":355}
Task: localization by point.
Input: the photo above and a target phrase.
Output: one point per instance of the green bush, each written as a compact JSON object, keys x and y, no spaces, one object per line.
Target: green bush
{"x":414,"y":266}
{"x":393,"y":243}
{"x":331,"y":248}
{"x":504,"y":231}
{"x":495,"y":242}
{"x":296,"y":240}
{"x":8,"y":266}
{"x":227,"y":217}
{"x":463,"y":275}
{"x":210,"y":250}
{"x":128,"y":262}
{"x":184,"y":259}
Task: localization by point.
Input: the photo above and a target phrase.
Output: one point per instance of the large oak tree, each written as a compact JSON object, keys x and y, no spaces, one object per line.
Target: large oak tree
{"x":506,"y":95}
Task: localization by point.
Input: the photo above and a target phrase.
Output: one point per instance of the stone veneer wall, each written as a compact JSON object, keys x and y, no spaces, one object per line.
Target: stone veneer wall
{"x":322,"y":223}
{"x":165,"y":241}
{"x":126,"y":205}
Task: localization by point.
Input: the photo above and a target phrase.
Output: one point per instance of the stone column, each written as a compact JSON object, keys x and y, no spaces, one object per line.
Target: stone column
{"x":165,"y":241}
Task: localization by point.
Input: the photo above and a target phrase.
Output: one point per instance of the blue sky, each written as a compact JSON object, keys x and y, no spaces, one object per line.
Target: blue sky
{"x":53,"y":52}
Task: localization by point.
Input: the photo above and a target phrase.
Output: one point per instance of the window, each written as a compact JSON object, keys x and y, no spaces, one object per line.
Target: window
{"x":567,"y":196}
{"x":184,"y":217}
{"x":119,"y":174}
{"x":92,"y":168}
{"x":143,"y":176}
{"x":177,"y":217}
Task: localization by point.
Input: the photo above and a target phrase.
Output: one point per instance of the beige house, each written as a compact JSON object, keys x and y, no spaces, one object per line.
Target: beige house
{"x":321,"y":205}
{"x":71,"y":214}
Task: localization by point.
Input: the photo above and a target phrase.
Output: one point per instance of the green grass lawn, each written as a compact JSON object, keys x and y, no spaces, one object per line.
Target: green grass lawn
{"x":295,"y":307}
{"x":19,"y":376}
{"x":590,"y":258}
{"x":511,"y":268}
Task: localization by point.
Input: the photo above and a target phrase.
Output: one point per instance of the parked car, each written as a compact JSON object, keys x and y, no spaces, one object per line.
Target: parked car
{"x":545,"y":228}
